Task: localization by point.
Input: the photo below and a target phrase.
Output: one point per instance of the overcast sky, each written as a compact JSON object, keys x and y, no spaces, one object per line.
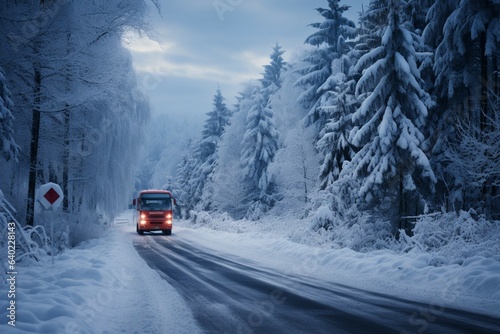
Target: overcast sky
{"x":205,"y":43}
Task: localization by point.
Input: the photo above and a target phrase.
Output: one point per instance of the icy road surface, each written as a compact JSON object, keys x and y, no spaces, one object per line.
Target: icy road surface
{"x":228,"y":293}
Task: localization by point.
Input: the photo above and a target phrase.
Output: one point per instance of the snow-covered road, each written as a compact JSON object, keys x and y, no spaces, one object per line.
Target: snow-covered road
{"x":247,"y":277}
{"x":232,"y":294}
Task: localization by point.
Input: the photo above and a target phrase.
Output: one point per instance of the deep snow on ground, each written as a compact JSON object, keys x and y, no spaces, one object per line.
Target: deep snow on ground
{"x":473,"y":285}
{"x":101,"y":286}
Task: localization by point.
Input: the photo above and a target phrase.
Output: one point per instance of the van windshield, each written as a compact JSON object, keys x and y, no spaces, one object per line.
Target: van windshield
{"x":155,"y":202}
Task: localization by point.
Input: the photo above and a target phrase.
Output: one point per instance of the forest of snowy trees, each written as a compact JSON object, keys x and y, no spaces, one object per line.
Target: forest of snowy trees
{"x":69,"y":103}
{"x":374,"y":125}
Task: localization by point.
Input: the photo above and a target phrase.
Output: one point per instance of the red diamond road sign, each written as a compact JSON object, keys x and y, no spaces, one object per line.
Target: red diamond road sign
{"x":50,"y":195}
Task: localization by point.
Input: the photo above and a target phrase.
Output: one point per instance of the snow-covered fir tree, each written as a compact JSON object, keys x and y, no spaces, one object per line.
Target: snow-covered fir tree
{"x":230,"y":193}
{"x":441,"y":125}
{"x":415,"y":13}
{"x":216,"y":121}
{"x":334,"y":143}
{"x":196,"y":171}
{"x":8,"y":147}
{"x":326,"y":78}
{"x":273,"y":70}
{"x":336,"y":105}
{"x":272,"y":77}
{"x":391,"y":160}
{"x":330,"y":42}
{"x":261,"y":138}
{"x":371,"y":20}
{"x":184,"y":175}
{"x":436,"y":18}
{"x":214,"y":127}
{"x":259,"y":145}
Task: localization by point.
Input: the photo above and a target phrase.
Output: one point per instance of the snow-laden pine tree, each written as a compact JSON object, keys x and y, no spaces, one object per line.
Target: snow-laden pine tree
{"x":184,"y":176}
{"x":230,"y":193}
{"x":330,"y":42}
{"x":436,"y":18}
{"x":391,"y":160}
{"x":416,"y":12}
{"x":8,"y":147}
{"x":272,"y":77}
{"x":216,"y":121}
{"x":441,"y":121}
{"x":330,"y":95}
{"x":337,"y":104}
{"x":205,"y":155}
{"x":334,"y":144}
{"x":259,"y":145}
{"x":260,"y":141}
{"x":369,"y":33}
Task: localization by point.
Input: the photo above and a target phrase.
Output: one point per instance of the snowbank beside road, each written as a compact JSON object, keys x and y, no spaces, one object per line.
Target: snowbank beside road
{"x":102,"y":286}
{"x":470,"y":285}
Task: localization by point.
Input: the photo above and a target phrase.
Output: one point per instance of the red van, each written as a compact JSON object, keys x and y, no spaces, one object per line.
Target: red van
{"x":154,"y":211}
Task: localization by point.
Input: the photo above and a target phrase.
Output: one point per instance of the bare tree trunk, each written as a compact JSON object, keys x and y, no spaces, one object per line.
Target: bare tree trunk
{"x":67,"y":124}
{"x":35,"y":134}
{"x":65,"y":174}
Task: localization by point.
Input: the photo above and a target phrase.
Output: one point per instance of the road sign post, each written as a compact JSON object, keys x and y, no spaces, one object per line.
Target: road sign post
{"x":50,"y":197}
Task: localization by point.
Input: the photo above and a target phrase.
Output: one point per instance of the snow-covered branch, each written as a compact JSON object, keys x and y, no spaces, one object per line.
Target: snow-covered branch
{"x":477,"y":153}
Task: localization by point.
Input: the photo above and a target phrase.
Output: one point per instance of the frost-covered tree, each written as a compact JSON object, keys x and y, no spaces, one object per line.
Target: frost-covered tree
{"x":171,"y":149}
{"x":391,"y":161}
{"x":260,"y":140}
{"x":8,"y":147}
{"x":216,"y":121}
{"x":476,"y":157}
{"x":213,"y":129}
{"x":184,"y":175}
{"x":273,"y":70}
{"x":326,"y":83}
{"x":259,"y":145}
{"x":371,"y":20}
{"x":330,"y":42}
{"x":230,"y":193}
{"x":204,"y":157}
{"x":295,"y":169}
{"x":77,"y":102}
{"x":334,"y":144}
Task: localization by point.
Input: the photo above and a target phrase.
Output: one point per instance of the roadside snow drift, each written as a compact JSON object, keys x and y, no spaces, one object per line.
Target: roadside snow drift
{"x":102,"y":286}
